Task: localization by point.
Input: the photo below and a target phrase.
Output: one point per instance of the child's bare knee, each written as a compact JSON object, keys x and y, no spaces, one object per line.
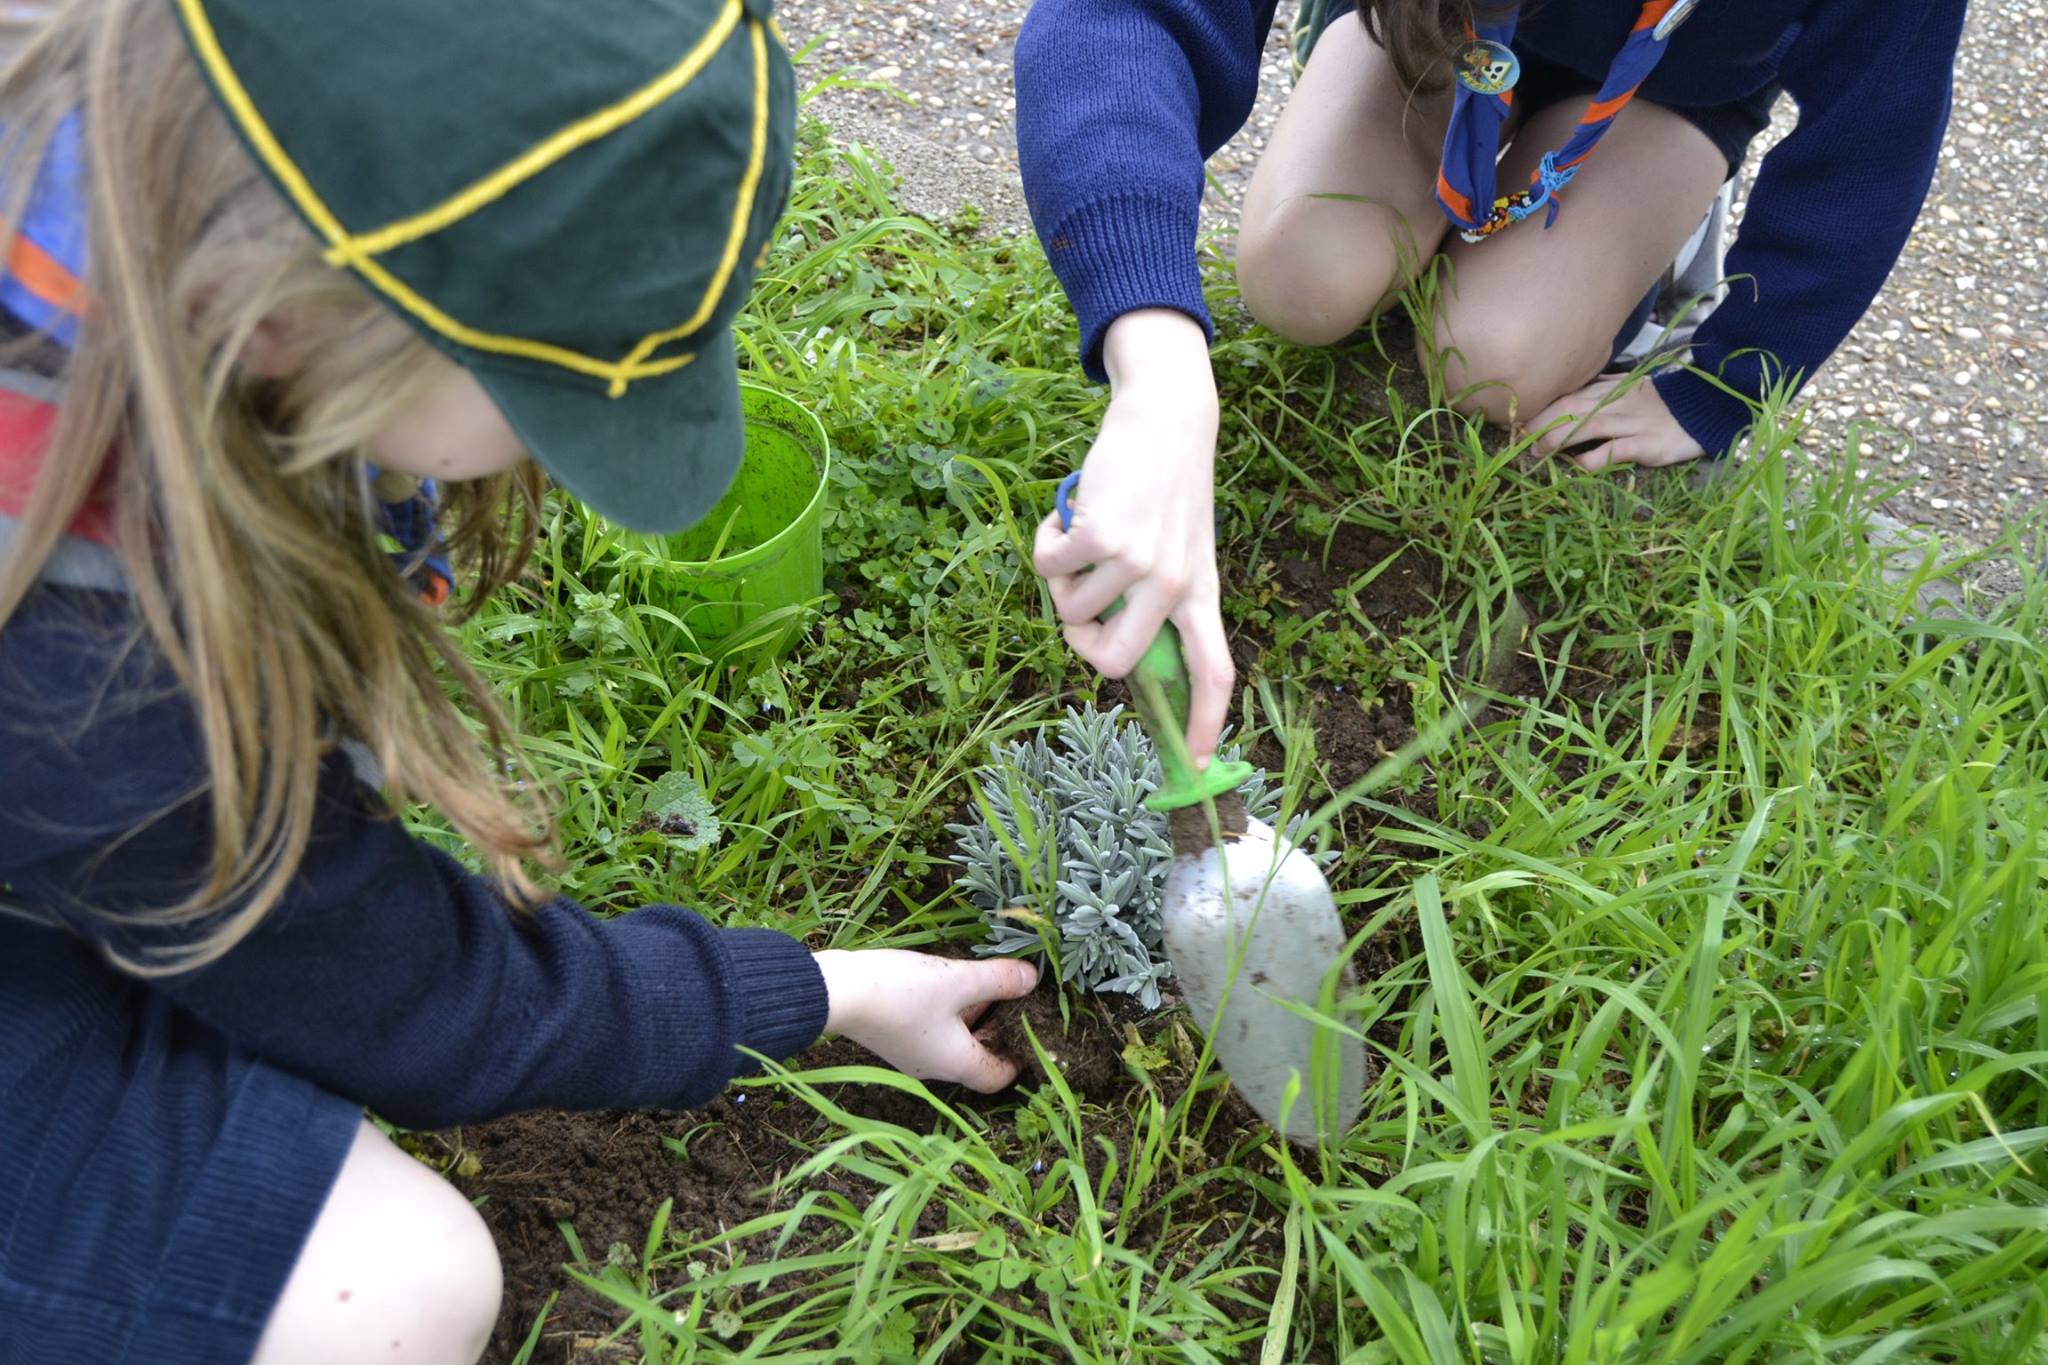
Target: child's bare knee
{"x":1502,"y":368}
{"x":398,"y":1268}
{"x":1301,"y":280}
{"x":457,"y":1293}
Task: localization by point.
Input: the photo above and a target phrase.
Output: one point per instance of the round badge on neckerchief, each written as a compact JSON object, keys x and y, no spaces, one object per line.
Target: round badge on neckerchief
{"x":1487,"y":68}
{"x":1465,"y":183}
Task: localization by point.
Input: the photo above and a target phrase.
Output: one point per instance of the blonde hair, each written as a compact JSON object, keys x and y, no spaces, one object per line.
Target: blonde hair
{"x":239,"y":504}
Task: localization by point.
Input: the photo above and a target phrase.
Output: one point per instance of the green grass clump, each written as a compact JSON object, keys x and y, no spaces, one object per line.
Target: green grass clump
{"x":1710,"y":1008}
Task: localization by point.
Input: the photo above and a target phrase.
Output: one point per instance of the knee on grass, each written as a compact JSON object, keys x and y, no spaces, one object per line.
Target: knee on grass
{"x":1310,"y":284}
{"x":399,"y":1268}
{"x":1503,"y":365}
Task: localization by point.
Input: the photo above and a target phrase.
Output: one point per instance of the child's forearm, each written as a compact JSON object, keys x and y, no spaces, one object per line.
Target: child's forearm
{"x":419,"y":992}
{"x":1119,"y":102}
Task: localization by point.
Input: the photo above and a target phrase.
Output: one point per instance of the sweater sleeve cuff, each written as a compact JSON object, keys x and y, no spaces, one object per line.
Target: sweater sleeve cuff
{"x":783,"y":989}
{"x":1120,"y":253}
{"x":1710,"y":414}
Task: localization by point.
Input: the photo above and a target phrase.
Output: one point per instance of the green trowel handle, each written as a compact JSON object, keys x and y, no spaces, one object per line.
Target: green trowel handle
{"x":1160,"y":685}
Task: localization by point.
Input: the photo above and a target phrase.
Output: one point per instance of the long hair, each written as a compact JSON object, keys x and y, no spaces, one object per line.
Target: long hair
{"x":240,"y":507}
{"x":1419,"y":36}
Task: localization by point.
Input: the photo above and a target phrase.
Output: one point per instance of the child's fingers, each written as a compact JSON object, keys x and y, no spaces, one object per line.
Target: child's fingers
{"x":1211,"y":675}
{"x":975,"y":987}
{"x":1085,"y":596}
{"x":979,"y":1069}
{"x":1573,"y":418}
{"x":1106,"y":644}
{"x":1085,"y":638}
{"x":981,"y":984}
{"x":1126,"y":636}
{"x":1570,"y":427}
{"x":1622,"y":450}
{"x":1056,"y":552}
{"x":1599,"y":457}
{"x":976,"y":1012}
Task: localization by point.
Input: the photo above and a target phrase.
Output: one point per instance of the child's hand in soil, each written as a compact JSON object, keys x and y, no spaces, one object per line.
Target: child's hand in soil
{"x":916,"y":1012}
{"x":1633,"y":427}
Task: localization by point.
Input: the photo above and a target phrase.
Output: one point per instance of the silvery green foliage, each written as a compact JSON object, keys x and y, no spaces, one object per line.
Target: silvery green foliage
{"x":1071,"y":811}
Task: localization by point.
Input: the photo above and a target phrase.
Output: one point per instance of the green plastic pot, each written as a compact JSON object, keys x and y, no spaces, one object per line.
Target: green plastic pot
{"x":760,"y":551}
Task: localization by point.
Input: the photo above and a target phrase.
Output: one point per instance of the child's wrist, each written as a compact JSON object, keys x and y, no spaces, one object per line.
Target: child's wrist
{"x":845,"y":990}
{"x":1158,"y":350}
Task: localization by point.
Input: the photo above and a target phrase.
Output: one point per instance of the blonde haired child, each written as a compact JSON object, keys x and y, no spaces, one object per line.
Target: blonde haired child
{"x":274,"y":272}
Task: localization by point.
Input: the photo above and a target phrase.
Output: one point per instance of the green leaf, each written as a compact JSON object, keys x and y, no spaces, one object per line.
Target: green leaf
{"x":677,"y":808}
{"x":898,"y":1335}
{"x":1145,"y":1057}
{"x":1455,"y":1015}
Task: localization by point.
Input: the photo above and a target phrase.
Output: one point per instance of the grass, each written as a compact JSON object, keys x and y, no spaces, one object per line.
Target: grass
{"x":1720,"y":1026}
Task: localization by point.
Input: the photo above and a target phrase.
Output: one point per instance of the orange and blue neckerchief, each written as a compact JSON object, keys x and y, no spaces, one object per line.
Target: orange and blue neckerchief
{"x":42,"y":298}
{"x":1486,"y":71}
{"x":413,"y":540}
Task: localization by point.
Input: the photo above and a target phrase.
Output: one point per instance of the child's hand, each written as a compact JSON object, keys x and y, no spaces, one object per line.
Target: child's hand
{"x":915,"y":1011}
{"x":1634,"y":427}
{"x":1145,"y":519}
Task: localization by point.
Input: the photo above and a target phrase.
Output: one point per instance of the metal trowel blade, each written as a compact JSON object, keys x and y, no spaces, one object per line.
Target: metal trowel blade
{"x":1248,"y":925}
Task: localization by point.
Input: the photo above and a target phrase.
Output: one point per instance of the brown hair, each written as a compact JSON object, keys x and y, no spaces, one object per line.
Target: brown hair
{"x":1419,"y":36}
{"x":244,"y":523}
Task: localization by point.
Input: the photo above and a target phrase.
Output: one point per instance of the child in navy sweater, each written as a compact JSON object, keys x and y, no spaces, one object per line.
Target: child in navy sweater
{"x":270,"y":265}
{"x":1621,"y":121}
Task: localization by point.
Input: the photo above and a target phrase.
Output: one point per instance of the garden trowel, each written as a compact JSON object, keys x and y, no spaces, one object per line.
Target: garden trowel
{"x":1250,"y":925}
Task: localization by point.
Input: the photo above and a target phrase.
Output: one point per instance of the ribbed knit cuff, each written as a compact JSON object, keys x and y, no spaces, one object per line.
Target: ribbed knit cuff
{"x":1123,"y":252}
{"x":781,"y":988}
{"x":1710,"y":415}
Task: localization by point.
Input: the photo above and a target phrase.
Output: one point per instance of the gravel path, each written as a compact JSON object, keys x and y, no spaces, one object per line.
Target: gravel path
{"x":1946,"y":377}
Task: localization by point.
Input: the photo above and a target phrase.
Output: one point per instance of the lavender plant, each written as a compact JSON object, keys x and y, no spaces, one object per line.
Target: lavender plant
{"x":1066,"y":862}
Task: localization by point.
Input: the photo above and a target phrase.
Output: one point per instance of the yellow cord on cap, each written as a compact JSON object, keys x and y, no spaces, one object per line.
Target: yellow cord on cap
{"x":503,"y":181}
{"x":742,"y":216}
{"x":346,"y":250}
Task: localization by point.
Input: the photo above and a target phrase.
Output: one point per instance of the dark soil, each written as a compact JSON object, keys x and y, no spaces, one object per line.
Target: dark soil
{"x":1086,"y":1045}
{"x":1360,"y":572}
{"x":1352,"y":733}
{"x":606,"y":1174}
{"x":1409,"y":586}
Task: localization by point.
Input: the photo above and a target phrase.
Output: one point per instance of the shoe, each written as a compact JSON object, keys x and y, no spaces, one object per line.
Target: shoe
{"x":1690,"y":290}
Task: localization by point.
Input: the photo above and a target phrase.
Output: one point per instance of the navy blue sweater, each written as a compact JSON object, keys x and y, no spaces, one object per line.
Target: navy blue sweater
{"x":1119,"y":103}
{"x":389,"y":975}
